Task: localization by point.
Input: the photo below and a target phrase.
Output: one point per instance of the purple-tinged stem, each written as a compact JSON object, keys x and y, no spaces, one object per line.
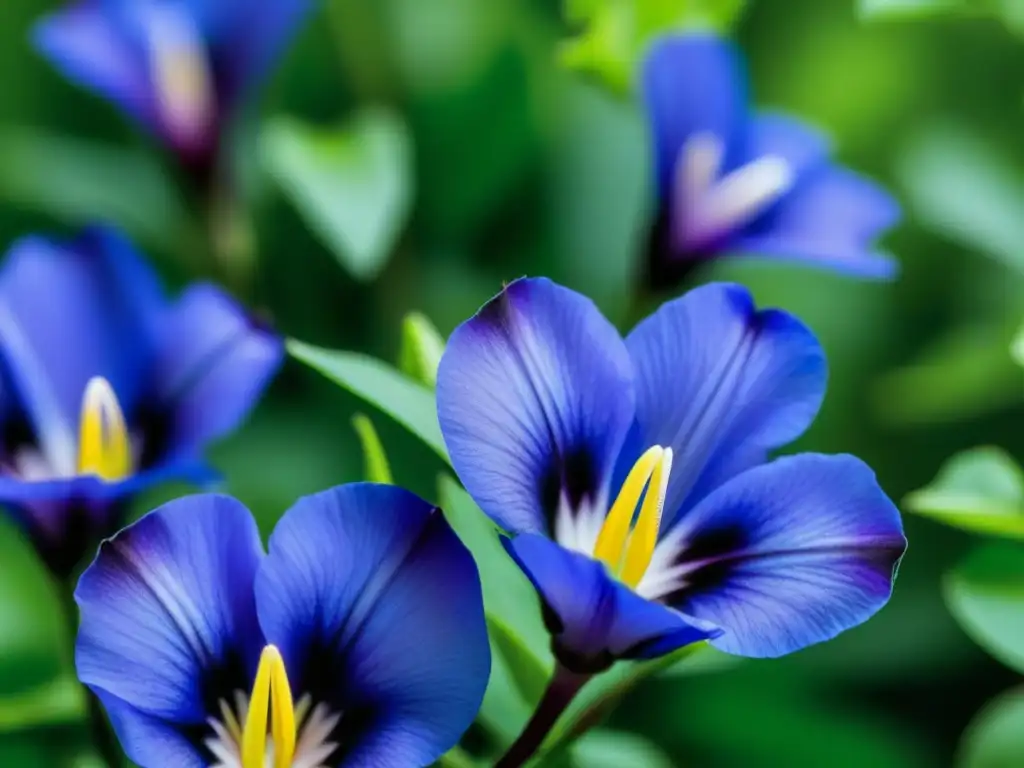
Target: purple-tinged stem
{"x":560,"y":692}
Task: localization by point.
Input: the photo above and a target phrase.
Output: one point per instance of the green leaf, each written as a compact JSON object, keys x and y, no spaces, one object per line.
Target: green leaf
{"x":79,"y":182}
{"x":613,"y":749}
{"x":981,"y":490}
{"x":59,"y":701}
{"x":1009,"y":12}
{"x":986,"y":595}
{"x":975,"y":201}
{"x":508,"y":595}
{"x":353,"y":185}
{"x":897,"y":9}
{"x":578,"y":11}
{"x":520,"y":647}
{"x":618,"y":32}
{"x":377,"y":469}
{"x":407,"y":402}
{"x":744,"y":724}
{"x":36,"y":687}
{"x":528,"y":673}
{"x":964,"y":375}
{"x":53,"y":746}
{"x":455,"y":758}
{"x":421,"y":350}
{"x":995,"y":739}
{"x":1017,"y":347}
{"x":602,"y":695}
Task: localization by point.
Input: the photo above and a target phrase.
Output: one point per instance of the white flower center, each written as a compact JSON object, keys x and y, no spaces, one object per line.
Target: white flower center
{"x":631,"y":544}
{"x":106,"y":449}
{"x":625,"y":545}
{"x":708,"y":205}
{"x":313,"y":747}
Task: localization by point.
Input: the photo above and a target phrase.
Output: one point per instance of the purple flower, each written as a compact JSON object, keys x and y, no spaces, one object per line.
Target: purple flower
{"x":635,"y":475}
{"x":359,"y":640}
{"x":109,"y":388}
{"x":181,"y":68}
{"x":732,"y":180}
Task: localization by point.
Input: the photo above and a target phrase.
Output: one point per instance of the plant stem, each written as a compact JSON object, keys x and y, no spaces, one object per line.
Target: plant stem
{"x":232,"y":242}
{"x":560,"y":692}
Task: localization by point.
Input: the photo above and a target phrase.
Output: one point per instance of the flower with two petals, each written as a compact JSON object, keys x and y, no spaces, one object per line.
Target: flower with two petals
{"x":109,"y":388}
{"x":358,"y":639}
{"x":181,"y":68}
{"x":636,"y":478}
{"x":731,"y":180}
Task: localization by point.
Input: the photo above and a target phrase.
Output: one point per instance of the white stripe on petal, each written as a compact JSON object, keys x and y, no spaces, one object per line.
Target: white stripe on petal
{"x":708,"y":206}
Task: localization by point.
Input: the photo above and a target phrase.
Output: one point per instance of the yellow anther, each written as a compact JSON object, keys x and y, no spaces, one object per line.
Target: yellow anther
{"x":271,"y":696}
{"x":611,"y":542}
{"x":104,"y":449}
{"x":645,"y":535}
{"x":282,"y":716}
{"x":254,"y":736}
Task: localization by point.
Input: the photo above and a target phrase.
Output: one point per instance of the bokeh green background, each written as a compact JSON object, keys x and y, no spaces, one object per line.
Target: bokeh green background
{"x":520,"y":167}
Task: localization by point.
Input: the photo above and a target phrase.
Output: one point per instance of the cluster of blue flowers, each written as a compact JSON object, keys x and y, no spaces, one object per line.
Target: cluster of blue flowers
{"x":634,"y":477}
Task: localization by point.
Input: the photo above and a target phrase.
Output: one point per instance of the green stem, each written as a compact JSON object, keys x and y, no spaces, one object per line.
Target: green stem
{"x":560,"y":692}
{"x":598,"y":711}
{"x":232,"y":242}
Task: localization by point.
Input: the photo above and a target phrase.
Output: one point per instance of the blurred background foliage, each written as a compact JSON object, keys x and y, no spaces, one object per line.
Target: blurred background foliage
{"x":458,"y":151}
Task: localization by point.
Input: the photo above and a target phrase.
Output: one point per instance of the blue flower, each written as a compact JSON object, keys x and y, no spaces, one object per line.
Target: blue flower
{"x":636,"y":474}
{"x":729,"y":180}
{"x":108,"y":387}
{"x":181,"y":68}
{"x":358,"y":640}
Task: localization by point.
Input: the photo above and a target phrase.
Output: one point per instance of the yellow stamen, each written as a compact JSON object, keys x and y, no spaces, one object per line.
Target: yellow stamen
{"x":611,"y":542}
{"x":271,"y":696}
{"x":645,"y":535}
{"x":104,"y":449}
{"x":282,"y":710}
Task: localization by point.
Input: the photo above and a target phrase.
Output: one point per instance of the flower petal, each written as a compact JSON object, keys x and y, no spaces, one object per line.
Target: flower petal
{"x":694,"y":84}
{"x":534,"y":397}
{"x":213,"y":365}
{"x":102,"y":306}
{"x":377,"y":609}
{"x":148,"y":741}
{"x":65,"y":518}
{"x":722,"y":383}
{"x":788,"y":554}
{"x":595,"y":620}
{"x":255,"y":40}
{"x":830,"y":219}
{"x":168,"y":615}
{"x":91,"y":48}
{"x":802,"y":146}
